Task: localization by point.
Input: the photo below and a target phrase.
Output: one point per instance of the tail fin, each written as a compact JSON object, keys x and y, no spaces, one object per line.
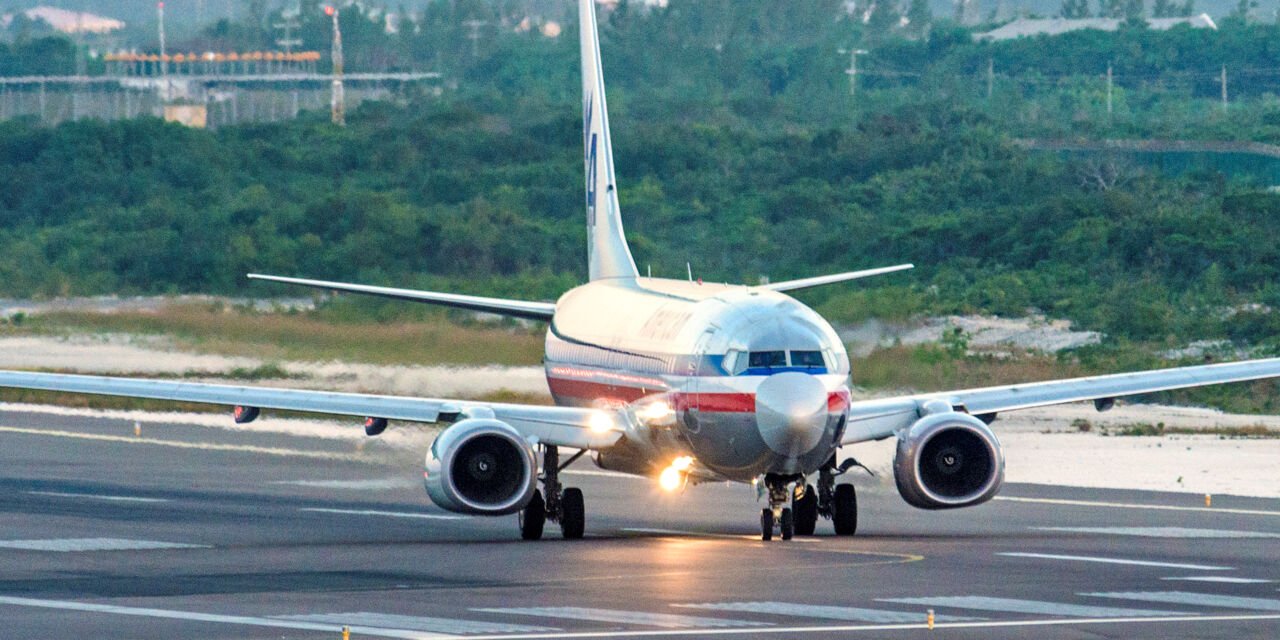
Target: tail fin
{"x":607,"y":252}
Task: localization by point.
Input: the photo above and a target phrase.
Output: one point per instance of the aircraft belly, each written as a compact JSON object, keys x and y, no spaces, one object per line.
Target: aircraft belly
{"x":730,"y":445}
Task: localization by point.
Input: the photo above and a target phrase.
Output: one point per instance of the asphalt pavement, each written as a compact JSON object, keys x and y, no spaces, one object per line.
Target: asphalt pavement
{"x":186,"y":531}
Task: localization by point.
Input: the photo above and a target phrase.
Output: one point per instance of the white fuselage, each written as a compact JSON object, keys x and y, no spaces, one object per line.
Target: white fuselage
{"x":757,"y":381}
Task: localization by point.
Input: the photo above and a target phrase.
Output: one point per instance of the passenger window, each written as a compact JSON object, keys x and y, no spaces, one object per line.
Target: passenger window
{"x":767,"y":359}
{"x":807,"y":359}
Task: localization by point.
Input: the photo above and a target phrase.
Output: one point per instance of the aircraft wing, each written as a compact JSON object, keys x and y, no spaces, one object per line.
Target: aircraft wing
{"x":562,"y":426}
{"x":817,"y":281}
{"x":502,"y":306}
{"x":876,"y":419}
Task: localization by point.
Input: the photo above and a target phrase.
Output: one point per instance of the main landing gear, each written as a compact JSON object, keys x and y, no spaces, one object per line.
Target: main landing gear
{"x":839,"y":503}
{"x":563,"y":505}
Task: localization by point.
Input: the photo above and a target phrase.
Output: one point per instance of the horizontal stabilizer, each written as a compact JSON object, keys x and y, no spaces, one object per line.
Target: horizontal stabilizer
{"x":805,"y":283}
{"x":500,"y":306}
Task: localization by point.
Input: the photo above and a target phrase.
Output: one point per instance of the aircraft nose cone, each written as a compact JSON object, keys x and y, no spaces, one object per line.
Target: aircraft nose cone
{"x":791,"y":412}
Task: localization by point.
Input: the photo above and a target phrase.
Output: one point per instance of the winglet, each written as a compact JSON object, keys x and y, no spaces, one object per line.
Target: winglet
{"x":607,"y":252}
{"x":805,"y":283}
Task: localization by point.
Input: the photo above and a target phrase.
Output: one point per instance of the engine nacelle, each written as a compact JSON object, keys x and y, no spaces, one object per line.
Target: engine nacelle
{"x":948,"y":460}
{"x":481,"y":466}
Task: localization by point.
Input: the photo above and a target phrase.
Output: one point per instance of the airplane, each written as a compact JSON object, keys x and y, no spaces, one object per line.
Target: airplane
{"x":682,"y":381}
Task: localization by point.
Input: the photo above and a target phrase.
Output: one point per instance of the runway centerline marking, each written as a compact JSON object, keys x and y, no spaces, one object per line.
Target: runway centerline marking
{"x":1198,"y":599}
{"x":1164,"y":532}
{"x":385,"y":514}
{"x":669,"y":620}
{"x":94,"y":496}
{"x":821,"y":611}
{"x":1127,"y":505}
{"x":94,"y":544}
{"x":208,"y":446}
{"x":450,"y":626}
{"x":803,"y":629}
{"x":1226,"y":579}
{"x":1128,"y":561}
{"x":1016,"y":605}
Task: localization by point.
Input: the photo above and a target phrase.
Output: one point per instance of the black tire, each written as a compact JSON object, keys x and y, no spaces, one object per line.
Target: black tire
{"x":532,"y":517}
{"x":766,"y":524}
{"x":787,"y":523}
{"x":844,"y":511}
{"x":806,"y":512}
{"x":573,"y":514}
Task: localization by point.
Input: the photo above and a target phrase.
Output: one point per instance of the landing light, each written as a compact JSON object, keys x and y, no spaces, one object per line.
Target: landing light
{"x":600,"y":423}
{"x":673,"y":476}
{"x":656,"y":411}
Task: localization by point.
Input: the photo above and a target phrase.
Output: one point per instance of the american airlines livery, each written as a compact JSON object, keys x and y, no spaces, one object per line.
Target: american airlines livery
{"x":681,"y":381}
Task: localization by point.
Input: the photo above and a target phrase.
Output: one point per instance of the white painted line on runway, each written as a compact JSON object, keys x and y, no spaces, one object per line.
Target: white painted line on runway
{"x":1198,"y":599}
{"x":387,"y":514}
{"x":361,"y":485}
{"x":94,"y":544}
{"x":1164,"y":532}
{"x":641,"y":633}
{"x":94,"y":496}
{"x":449,"y":626}
{"x":1126,"y":505}
{"x":207,"y":446}
{"x":669,"y":620}
{"x":821,"y":611}
{"x":605,"y":474}
{"x":1139,"y":563}
{"x":1226,"y":579}
{"x":89,"y":607}
{"x":1014,"y":605}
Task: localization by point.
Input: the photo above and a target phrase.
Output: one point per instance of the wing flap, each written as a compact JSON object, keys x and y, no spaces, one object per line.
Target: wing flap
{"x":502,"y":306}
{"x":562,"y":426}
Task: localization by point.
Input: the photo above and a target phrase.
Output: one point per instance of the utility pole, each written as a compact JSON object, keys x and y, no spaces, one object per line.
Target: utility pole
{"x":474,"y":36}
{"x":288,"y":24}
{"x":338,"y":105}
{"x":1224,"y":87}
{"x":852,"y":71}
{"x":164,"y":63}
{"x":991,"y":76}
{"x":1108,"y":90}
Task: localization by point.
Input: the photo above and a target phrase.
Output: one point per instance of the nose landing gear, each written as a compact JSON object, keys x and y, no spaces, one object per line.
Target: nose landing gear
{"x":839,"y":503}
{"x":776,"y":513}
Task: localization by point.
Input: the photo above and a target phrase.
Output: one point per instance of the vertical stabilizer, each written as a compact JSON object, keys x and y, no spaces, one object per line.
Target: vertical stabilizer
{"x":607,"y":252}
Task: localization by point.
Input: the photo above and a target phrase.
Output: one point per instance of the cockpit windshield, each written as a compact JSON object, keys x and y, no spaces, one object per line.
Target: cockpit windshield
{"x":769,"y":362}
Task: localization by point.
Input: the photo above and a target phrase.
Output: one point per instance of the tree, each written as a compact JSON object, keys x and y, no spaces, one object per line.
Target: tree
{"x":919,"y":18}
{"x":1164,"y":9}
{"x":1075,"y":9}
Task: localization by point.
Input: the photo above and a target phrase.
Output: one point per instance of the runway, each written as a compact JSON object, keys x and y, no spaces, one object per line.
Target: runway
{"x":198,"y":532}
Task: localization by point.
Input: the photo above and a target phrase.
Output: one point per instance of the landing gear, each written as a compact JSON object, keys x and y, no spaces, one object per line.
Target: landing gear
{"x":533,"y":517}
{"x":563,"y":505}
{"x":838,"y":502}
{"x":779,"y":488}
{"x":804,"y":506}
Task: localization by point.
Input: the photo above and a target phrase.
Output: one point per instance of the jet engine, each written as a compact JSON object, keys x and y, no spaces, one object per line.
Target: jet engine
{"x":481,"y":466}
{"x":947,"y":460}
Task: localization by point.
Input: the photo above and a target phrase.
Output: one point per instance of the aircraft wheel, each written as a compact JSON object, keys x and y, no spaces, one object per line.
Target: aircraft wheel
{"x":787,"y":523}
{"x":572,"y":514}
{"x":766,"y":524}
{"x":844,"y":512}
{"x":532,"y":517}
{"x":806,"y":512}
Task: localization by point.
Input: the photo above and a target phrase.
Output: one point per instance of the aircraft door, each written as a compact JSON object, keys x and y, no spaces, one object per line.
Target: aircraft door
{"x":697,"y":383}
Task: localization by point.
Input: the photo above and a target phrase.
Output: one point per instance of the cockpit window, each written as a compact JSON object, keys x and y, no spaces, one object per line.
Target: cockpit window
{"x":767,"y":359}
{"x":807,"y":359}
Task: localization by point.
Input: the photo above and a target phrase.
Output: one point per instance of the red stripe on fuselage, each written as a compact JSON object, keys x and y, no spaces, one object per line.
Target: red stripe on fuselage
{"x":837,"y":401}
